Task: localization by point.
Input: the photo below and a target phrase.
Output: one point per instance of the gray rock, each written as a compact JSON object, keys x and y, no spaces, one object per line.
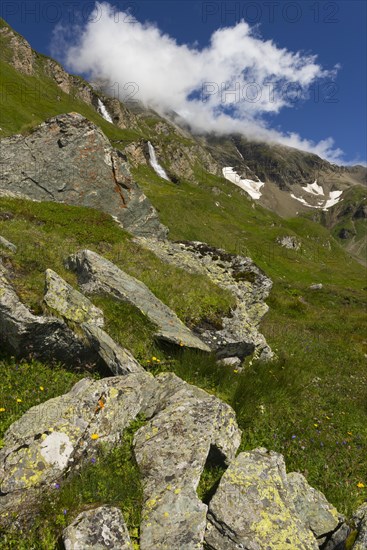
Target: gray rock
{"x":69,"y":303}
{"x":96,"y":274}
{"x":314,"y":510}
{"x":360,"y":519}
{"x":119,"y":360}
{"x":239,"y":335}
{"x":252,"y":508}
{"x":99,"y":528}
{"x":316,"y":286}
{"x":289,"y":241}
{"x":171,"y":450}
{"x":45,"y":337}
{"x":69,"y":159}
{"x":234,"y":362}
{"x":53,"y":436}
{"x":7,"y":244}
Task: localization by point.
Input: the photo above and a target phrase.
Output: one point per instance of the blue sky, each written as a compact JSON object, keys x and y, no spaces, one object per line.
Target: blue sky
{"x":334,"y":31}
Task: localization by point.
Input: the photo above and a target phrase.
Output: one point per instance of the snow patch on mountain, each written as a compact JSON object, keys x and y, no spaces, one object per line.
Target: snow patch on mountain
{"x":334,"y":198}
{"x":314,"y":188}
{"x":159,"y":170}
{"x":250,"y":186}
{"x":103,"y":111}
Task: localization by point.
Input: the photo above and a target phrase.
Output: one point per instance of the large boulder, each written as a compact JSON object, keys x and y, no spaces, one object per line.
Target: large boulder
{"x":69,"y":159}
{"x":96,"y":274}
{"x":54,"y":436}
{"x":252,"y":508}
{"x":98,"y":529}
{"x":171,"y":450}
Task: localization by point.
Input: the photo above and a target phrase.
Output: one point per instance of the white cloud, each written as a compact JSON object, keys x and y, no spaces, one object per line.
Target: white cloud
{"x":226,"y":87}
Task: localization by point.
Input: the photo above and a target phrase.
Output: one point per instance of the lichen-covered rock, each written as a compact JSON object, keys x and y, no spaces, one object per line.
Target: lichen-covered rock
{"x":69,"y":159}
{"x":45,"y":337}
{"x":69,"y":303}
{"x":252,"y":508}
{"x":99,"y":529}
{"x":98,"y":274}
{"x":7,"y":244}
{"x":360,"y":519}
{"x":239,"y":335}
{"x":50,"y":437}
{"x":312,"y":507}
{"x":171,"y":451}
{"x":119,"y":360}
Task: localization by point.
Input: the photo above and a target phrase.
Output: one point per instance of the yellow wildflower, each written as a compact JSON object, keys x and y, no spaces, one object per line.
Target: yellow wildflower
{"x":2,"y":409}
{"x":42,"y":388}
{"x":316,"y":425}
{"x":235,"y":371}
{"x":360,"y":485}
{"x":94,"y":436}
{"x":19,"y":400}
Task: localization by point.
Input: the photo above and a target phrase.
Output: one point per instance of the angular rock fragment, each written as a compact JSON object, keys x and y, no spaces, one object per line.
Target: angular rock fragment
{"x":96,"y":274}
{"x":69,"y":303}
{"x":99,"y":528}
{"x":252,"y":508}
{"x":313,"y":509}
{"x":119,"y":360}
{"x":171,"y":451}
{"x":7,"y":244}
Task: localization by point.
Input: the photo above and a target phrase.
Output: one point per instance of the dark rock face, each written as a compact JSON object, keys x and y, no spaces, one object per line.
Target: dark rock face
{"x":69,"y":159}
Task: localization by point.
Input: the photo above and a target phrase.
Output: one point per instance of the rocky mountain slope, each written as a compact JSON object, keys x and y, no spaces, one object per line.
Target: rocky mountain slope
{"x":171,"y":346}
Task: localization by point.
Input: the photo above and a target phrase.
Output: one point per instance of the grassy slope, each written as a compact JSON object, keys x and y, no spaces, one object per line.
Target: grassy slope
{"x":316,"y":391}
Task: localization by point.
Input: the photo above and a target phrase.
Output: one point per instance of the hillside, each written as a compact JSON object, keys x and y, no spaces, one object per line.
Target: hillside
{"x":307,"y":403}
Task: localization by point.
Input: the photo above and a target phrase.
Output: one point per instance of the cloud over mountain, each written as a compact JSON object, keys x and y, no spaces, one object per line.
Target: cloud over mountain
{"x":229,"y":86}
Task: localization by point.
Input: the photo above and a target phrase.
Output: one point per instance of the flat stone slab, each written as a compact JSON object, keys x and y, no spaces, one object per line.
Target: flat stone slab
{"x":98,"y":529}
{"x":50,"y":437}
{"x":252,"y":508}
{"x":171,"y":451}
{"x":96,"y":274}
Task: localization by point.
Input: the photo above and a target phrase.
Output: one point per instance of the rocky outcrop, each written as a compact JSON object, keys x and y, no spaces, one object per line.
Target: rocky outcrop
{"x":100,"y":528}
{"x":45,"y":337}
{"x":171,"y":451}
{"x":239,"y":335}
{"x":71,"y":305}
{"x":21,"y":55}
{"x":252,"y":509}
{"x":97,"y":274}
{"x":52,"y":437}
{"x":69,"y":159}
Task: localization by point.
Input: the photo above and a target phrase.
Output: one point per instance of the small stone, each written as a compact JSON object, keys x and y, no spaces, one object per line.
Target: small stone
{"x":7,"y":244}
{"x":316,"y":286}
{"x":98,"y":529}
